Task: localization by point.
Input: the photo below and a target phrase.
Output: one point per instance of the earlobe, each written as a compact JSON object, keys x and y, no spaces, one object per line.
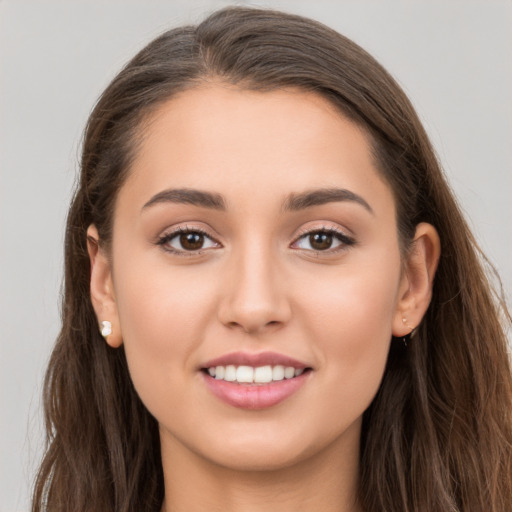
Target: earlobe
{"x":102,"y":290}
{"x":417,"y":280}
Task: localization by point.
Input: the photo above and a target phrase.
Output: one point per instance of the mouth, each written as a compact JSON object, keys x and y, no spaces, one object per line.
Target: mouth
{"x":255,"y":381}
{"x":259,"y":375}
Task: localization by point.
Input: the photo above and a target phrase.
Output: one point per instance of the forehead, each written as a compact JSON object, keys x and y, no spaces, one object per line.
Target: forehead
{"x":230,"y":140}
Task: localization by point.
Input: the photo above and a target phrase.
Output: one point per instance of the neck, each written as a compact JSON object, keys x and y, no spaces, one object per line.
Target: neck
{"x":326,"y":481}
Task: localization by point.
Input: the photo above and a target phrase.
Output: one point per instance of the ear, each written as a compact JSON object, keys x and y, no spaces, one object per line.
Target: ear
{"x":102,"y":289}
{"x":417,"y":280}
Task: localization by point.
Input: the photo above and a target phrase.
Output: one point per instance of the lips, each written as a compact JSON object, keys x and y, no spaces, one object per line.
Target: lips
{"x":254,"y":381}
{"x":255,"y":360}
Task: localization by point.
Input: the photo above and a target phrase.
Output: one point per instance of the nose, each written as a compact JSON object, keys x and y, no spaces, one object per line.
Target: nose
{"x":255,"y":298}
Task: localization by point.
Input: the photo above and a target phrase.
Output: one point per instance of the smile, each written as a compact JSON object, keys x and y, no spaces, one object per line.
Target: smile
{"x":254,"y":381}
{"x":250,"y":375}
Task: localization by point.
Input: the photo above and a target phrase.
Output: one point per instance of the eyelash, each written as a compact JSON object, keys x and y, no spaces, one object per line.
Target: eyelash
{"x":345,"y":240}
{"x":167,"y":237}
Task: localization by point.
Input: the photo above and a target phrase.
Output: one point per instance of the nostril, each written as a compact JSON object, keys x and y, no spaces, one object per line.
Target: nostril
{"x":252,"y":325}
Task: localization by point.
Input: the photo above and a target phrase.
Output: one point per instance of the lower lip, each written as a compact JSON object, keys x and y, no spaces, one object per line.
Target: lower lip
{"x":255,"y":396}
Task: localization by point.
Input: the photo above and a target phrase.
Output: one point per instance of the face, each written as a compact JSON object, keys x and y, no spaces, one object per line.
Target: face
{"x":254,"y":231}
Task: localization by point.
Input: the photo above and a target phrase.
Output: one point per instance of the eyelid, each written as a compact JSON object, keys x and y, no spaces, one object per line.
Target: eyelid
{"x":173,"y":232}
{"x":345,"y":239}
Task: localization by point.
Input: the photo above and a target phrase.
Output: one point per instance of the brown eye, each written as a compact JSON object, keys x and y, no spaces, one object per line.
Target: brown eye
{"x":320,"y":241}
{"x":187,"y":241}
{"x":192,"y":241}
{"x":324,"y":240}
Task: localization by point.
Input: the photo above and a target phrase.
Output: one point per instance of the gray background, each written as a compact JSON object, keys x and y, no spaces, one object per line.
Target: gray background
{"x":452,"y":58}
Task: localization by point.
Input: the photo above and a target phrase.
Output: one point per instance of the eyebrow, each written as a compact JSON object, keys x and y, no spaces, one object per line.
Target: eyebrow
{"x":294,"y":202}
{"x":322,"y":196}
{"x":188,"y":196}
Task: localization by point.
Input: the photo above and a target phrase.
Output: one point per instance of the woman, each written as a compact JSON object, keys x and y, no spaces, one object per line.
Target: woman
{"x":271,"y":297}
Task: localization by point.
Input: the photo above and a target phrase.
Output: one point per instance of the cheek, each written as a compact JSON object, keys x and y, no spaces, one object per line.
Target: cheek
{"x":355,"y":299}
{"x":162,"y":313}
{"x":350,"y":317}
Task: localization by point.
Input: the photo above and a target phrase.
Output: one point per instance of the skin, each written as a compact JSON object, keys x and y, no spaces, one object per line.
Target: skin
{"x":258,"y":285}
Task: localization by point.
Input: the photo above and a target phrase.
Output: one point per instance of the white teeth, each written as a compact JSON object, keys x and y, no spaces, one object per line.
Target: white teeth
{"x":278,"y":372}
{"x":230,"y":373}
{"x":289,"y":372}
{"x":219,"y":372}
{"x":259,"y":375}
{"x":263,"y":374}
{"x":245,"y":374}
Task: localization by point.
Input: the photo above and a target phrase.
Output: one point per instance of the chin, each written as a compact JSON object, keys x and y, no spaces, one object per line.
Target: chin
{"x":258,"y":458}
{"x":262,"y":450}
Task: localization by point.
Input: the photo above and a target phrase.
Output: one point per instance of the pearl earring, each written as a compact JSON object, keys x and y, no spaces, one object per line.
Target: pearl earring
{"x":106,"y":328}
{"x":409,"y":336}
{"x":406,"y":323}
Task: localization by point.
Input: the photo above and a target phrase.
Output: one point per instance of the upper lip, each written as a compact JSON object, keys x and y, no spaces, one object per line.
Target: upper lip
{"x":255,"y":360}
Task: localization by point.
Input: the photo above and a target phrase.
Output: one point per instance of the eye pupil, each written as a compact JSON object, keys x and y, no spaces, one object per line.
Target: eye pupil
{"x":191,"y":241}
{"x":320,"y":241}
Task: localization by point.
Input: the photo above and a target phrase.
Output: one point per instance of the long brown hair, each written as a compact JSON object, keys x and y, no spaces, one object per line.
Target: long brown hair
{"x":438,"y":435}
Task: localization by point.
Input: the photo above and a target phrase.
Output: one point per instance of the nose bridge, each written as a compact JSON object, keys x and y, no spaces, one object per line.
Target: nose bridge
{"x":255,"y":297}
